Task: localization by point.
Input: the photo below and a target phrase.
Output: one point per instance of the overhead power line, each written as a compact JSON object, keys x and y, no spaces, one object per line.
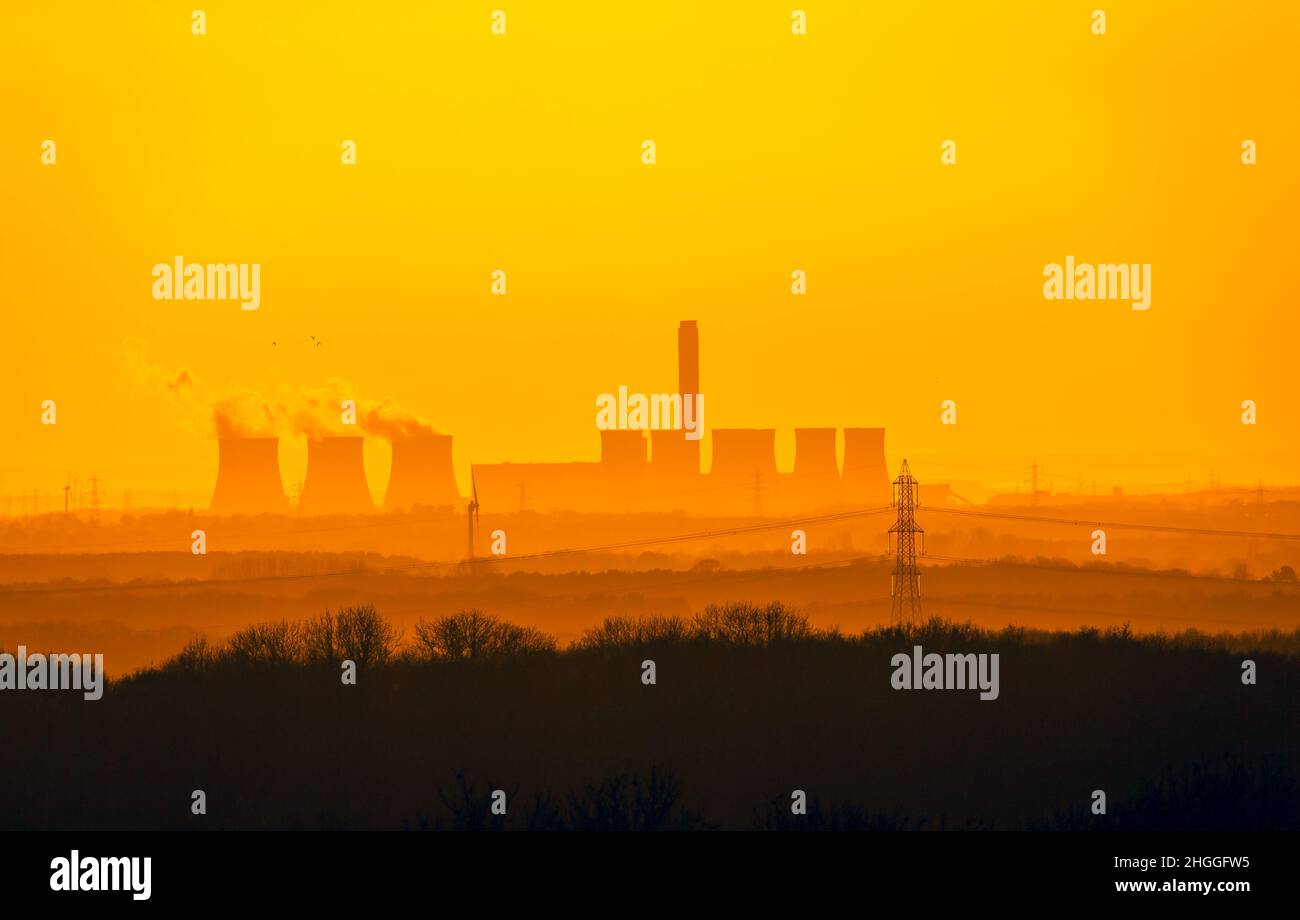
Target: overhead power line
{"x":1109,"y":570}
{"x":415,"y":566}
{"x":1129,"y":525}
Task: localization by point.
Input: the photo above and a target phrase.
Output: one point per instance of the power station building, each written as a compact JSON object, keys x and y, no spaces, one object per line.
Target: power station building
{"x":742,"y":479}
{"x":659,"y":470}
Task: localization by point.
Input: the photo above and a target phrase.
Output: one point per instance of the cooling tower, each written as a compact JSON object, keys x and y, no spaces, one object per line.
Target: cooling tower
{"x":336,"y":478}
{"x":248,"y":477}
{"x":672,"y":455}
{"x":739,"y":453}
{"x":816,"y":478}
{"x":421,"y":472}
{"x":622,"y":450}
{"x":866,"y":478}
{"x":814,"y":454}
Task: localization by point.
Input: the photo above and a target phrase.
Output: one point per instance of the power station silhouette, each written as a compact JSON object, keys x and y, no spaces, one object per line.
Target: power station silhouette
{"x":634,"y":473}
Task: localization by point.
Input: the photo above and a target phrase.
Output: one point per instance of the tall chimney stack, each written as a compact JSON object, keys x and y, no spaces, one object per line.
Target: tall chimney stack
{"x":336,"y":478}
{"x":688,"y":357}
{"x":248,"y":477}
{"x":688,"y":382}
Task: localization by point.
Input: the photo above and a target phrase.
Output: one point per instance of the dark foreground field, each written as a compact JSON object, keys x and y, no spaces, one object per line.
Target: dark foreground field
{"x":750,"y":704}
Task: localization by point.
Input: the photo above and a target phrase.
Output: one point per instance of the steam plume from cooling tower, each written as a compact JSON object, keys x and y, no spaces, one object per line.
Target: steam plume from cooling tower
{"x":388,"y":420}
{"x":274,"y":407}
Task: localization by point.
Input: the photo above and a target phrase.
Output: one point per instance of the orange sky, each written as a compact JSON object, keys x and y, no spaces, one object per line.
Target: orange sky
{"x":775,"y":152}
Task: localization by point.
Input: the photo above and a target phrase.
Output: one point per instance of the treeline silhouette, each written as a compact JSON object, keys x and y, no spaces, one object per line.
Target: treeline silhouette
{"x":361,"y":634}
{"x":750,"y":703}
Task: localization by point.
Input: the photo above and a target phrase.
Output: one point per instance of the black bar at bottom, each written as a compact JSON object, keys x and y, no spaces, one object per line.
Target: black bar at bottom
{"x":236,"y":869}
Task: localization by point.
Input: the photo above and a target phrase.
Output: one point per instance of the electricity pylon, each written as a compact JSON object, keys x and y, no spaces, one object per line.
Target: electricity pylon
{"x":906,"y":587}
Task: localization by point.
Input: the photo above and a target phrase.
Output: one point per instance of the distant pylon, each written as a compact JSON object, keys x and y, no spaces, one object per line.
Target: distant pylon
{"x":906,"y":588}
